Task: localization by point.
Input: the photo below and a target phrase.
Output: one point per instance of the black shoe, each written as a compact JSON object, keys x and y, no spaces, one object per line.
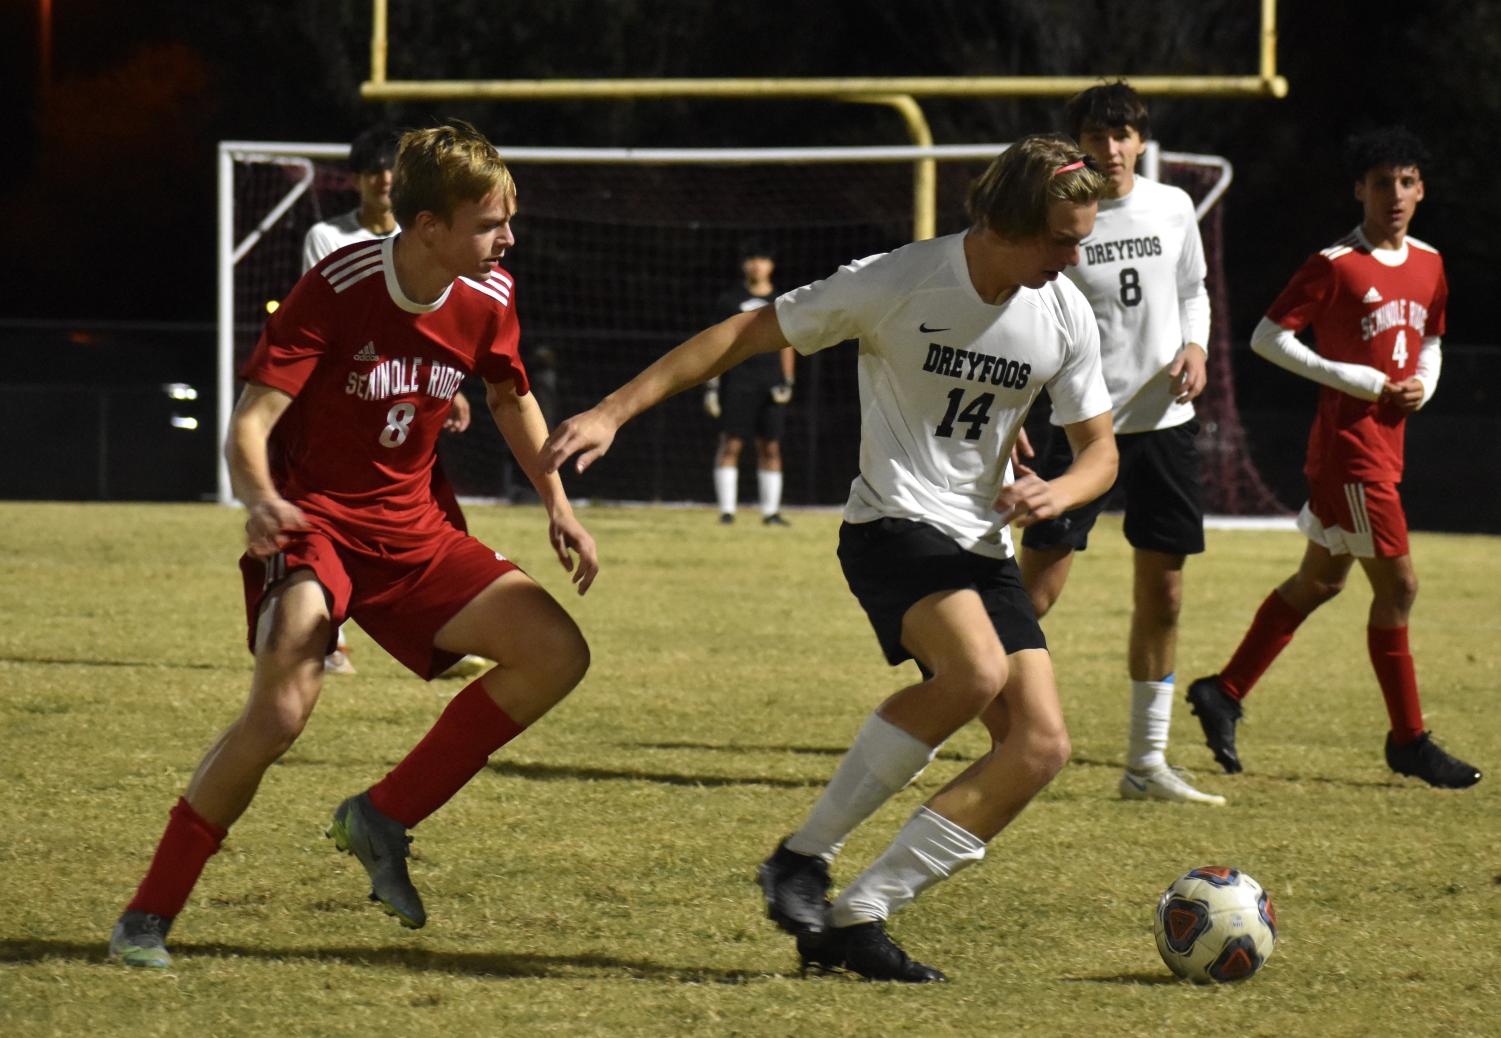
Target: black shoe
{"x":774,"y":519}
{"x":866,"y":949}
{"x":1217,"y":712}
{"x":796,"y":888}
{"x":1425,"y":759}
{"x":380,"y":844}
{"x":726,"y":518}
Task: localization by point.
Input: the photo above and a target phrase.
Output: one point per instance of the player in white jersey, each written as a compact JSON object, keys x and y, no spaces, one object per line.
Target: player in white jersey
{"x":957,"y":337}
{"x":1143,"y":273}
{"x":372,"y":156}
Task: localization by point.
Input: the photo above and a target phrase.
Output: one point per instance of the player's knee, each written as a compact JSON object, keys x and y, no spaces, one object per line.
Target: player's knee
{"x":1044,"y":752}
{"x":974,"y":683}
{"x":563,"y":654}
{"x":273,"y":729}
{"x":1043,"y":599}
{"x":1403,"y":593}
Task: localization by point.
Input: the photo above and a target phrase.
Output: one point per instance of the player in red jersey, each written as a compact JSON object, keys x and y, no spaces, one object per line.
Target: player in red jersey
{"x":331,"y":448}
{"x":1375,"y":301}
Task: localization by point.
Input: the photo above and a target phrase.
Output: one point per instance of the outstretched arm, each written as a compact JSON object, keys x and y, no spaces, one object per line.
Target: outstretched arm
{"x":711,"y":352}
{"x":520,"y":421}
{"x":1031,"y":498}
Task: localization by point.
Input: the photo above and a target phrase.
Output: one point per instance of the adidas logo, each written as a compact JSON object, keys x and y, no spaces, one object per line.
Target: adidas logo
{"x":1371,"y":295}
{"x":367,"y":351}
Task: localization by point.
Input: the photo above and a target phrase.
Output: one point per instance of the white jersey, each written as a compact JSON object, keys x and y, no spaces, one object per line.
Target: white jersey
{"x":1143,"y":272}
{"x":330,"y":235}
{"x":946,"y":380}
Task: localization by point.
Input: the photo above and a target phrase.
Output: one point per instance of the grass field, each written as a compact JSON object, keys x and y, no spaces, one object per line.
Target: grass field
{"x":596,"y":879}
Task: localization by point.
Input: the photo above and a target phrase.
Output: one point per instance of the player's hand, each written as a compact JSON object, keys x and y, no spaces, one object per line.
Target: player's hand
{"x":1027,"y":500}
{"x":588,"y":435}
{"x":1188,"y":374}
{"x":458,"y":415}
{"x":268,"y":526}
{"x":569,"y":537}
{"x":1406,"y":395}
{"x":1022,"y":448}
{"x":711,"y":403}
{"x":782,"y":392}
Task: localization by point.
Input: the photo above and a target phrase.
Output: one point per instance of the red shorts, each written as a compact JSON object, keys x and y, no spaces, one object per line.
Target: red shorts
{"x":1360,"y":519}
{"x":400,"y":597}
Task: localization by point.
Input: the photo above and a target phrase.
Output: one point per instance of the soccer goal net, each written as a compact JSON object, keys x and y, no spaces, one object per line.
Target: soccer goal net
{"x":621,"y":254}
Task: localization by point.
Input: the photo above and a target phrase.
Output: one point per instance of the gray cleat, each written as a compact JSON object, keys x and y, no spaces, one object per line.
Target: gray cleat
{"x":140,"y":939}
{"x":380,"y":844}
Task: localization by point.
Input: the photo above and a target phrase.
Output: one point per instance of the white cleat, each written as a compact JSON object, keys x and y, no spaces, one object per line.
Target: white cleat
{"x":1164,"y":783}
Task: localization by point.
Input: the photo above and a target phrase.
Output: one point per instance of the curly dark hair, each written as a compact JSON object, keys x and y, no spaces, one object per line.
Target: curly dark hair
{"x":1394,"y":146}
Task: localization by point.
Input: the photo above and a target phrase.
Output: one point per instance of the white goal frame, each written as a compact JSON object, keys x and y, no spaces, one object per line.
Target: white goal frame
{"x":230,"y":252}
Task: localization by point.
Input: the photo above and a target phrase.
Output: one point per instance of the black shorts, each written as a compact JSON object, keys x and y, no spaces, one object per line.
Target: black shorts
{"x":749,"y":411}
{"x":1160,"y":476}
{"x":892,"y":563}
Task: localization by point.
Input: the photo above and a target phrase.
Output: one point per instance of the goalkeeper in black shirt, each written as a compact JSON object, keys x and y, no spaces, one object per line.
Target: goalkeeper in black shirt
{"x":751,"y":400}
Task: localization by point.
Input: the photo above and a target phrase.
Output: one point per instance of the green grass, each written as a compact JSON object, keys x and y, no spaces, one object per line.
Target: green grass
{"x":596,"y":879}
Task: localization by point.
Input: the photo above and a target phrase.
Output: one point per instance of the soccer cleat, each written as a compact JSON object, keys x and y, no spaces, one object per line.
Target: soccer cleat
{"x":774,"y":519}
{"x":380,"y":844}
{"x":467,"y":667}
{"x":140,"y":939}
{"x":1217,"y":712}
{"x":1425,"y":759}
{"x":866,"y":949}
{"x":796,"y":888}
{"x":1164,"y":783}
{"x":338,"y":662}
{"x":726,"y":518}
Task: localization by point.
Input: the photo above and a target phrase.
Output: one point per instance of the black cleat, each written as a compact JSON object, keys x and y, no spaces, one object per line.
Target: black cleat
{"x":865,"y":949}
{"x":726,"y":518}
{"x":1425,"y":759}
{"x":1217,"y":712}
{"x":796,"y":888}
{"x":380,"y":844}
{"x":774,"y":519}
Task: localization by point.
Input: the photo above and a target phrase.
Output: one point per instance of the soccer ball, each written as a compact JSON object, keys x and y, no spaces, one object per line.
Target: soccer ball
{"x":1215,"y":925}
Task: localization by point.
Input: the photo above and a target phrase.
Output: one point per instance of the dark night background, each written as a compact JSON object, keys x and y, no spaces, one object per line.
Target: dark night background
{"x":107,"y":194}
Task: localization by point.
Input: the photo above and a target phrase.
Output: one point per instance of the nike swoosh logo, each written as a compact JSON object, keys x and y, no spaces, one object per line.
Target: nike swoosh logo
{"x":1136,"y":782}
{"x":929,"y":331}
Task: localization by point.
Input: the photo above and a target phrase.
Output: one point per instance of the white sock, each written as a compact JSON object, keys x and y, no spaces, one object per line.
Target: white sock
{"x":930,"y":848}
{"x":880,"y":763}
{"x":726,"y":487}
{"x":769,"y":482}
{"x":1151,"y":714}
{"x":341,"y":642}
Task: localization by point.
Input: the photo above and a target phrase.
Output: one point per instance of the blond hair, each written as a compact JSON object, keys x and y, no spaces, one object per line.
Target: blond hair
{"x":441,"y":168}
{"x":1012,"y":196}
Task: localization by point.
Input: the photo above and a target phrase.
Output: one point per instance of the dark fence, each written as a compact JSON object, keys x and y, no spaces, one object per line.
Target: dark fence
{"x":127,"y":412}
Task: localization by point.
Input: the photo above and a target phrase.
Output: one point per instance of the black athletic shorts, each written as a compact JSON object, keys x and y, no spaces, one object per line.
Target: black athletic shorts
{"x":1160,"y":474}
{"x":749,"y":411}
{"x":892,"y":563}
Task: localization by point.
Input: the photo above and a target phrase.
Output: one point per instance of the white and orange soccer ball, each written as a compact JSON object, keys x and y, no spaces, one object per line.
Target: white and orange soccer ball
{"x":1215,"y":925}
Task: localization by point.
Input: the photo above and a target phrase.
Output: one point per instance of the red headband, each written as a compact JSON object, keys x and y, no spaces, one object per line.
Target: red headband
{"x":1070,"y":166}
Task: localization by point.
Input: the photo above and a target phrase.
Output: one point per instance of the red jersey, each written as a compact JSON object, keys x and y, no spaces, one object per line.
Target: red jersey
{"x":372,"y":375}
{"x":1371,"y":307}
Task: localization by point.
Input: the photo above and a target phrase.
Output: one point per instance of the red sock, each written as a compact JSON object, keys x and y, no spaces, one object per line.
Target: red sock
{"x":187,"y":845}
{"x":1270,"y":631}
{"x":1392,"y":660}
{"x":470,"y":729}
